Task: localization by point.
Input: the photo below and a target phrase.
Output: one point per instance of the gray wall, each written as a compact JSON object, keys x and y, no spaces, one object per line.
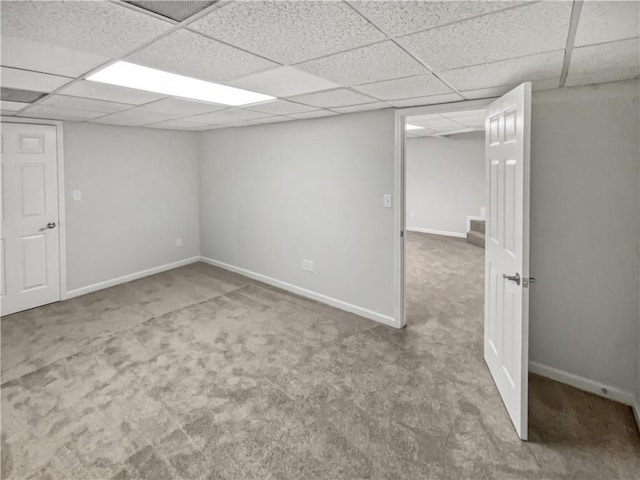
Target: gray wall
{"x":139,"y":194}
{"x":584,"y":232}
{"x":273,"y":195}
{"x":445,"y":181}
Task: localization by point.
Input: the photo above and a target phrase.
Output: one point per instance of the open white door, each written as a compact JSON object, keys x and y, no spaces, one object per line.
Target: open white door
{"x":506,"y":316}
{"x":30,"y":243}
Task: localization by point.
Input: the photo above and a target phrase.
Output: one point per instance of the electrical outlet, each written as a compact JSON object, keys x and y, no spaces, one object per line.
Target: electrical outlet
{"x":386,"y":201}
{"x":77,"y":195}
{"x":310,"y":266}
{"x":178,"y":242}
{"x":304,"y":265}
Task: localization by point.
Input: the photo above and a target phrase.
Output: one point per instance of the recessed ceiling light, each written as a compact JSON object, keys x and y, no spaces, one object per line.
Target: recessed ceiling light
{"x":127,"y":74}
{"x":413,"y":127}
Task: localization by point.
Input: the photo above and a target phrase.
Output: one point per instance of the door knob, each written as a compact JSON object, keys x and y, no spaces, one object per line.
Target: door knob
{"x":513,"y":278}
{"x":49,"y":226}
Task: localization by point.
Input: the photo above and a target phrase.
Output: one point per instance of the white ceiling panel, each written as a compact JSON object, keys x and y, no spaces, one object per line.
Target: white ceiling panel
{"x":470,"y":119}
{"x":362,"y":108}
{"x":618,"y":56}
{"x":333,"y":98}
{"x":289,"y":32}
{"x":283,"y":82}
{"x":55,"y":113}
{"x":493,"y":92}
{"x":606,"y":21}
{"x":103,"y":28}
{"x":428,"y":100}
{"x":417,"y":86}
{"x":136,"y":117}
{"x":175,"y":125}
{"x":112,"y":93}
{"x":403,"y":17}
{"x":280,"y":107}
{"x":194,"y":55}
{"x":41,"y":57}
{"x":7,"y":106}
{"x":183,"y":107}
{"x":274,"y":119}
{"x":78,"y":103}
{"x":373,"y":63}
{"x":506,"y":72}
{"x":234,"y":115}
{"x":27,"y":80}
{"x":315,"y":114}
{"x":516,"y":32}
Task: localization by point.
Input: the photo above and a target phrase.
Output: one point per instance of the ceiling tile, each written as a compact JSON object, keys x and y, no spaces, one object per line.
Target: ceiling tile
{"x":469,"y":119}
{"x":333,"y":98}
{"x":506,"y":72}
{"x":26,"y":80}
{"x":280,"y":107}
{"x":622,"y":55}
{"x":428,"y":100}
{"x":289,"y":32}
{"x":136,"y":117}
{"x":7,"y":106}
{"x":516,"y":32}
{"x":373,"y":63}
{"x":400,"y":18}
{"x":436,"y":123}
{"x":606,"y":21}
{"x":103,"y":91}
{"x":175,"y":125}
{"x":103,"y":28}
{"x":227,"y":116}
{"x":283,"y":82}
{"x":416,"y":86}
{"x":177,"y":10}
{"x":78,"y":103}
{"x":194,"y":55}
{"x":183,"y":107}
{"x":55,"y":113}
{"x":363,"y":108}
{"x":314,"y":114}
{"x":41,"y":57}
{"x":276,"y":119}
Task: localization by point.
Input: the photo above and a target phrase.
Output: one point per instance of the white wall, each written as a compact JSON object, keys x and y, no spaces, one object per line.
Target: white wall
{"x":139,"y":193}
{"x":584,"y":232}
{"x":444,"y":182}
{"x":275,"y":194}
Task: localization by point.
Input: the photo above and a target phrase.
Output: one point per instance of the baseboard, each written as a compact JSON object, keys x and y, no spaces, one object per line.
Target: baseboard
{"x":437,"y":232}
{"x":76,"y":292}
{"x":582,"y":383}
{"x":303,"y":292}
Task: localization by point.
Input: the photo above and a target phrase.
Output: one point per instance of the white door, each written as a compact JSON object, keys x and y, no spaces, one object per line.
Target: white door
{"x":29,"y":243}
{"x":506,"y":324}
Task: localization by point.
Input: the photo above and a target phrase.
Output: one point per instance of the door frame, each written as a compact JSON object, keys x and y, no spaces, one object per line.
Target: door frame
{"x":62,"y":211}
{"x":399,"y":193}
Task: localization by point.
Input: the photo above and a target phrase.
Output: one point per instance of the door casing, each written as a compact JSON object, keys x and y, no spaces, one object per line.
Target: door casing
{"x":62,"y":218}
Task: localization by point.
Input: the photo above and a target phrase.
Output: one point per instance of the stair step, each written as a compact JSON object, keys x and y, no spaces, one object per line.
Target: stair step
{"x":477,"y":226}
{"x":475,"y":238}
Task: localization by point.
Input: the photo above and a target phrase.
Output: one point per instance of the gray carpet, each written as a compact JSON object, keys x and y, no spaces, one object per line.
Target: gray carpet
{"x":199,"y":373}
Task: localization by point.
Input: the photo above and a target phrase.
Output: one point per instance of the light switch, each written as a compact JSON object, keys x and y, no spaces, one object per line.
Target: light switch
{"x":387,"y":201}
{"x":77,"y":195}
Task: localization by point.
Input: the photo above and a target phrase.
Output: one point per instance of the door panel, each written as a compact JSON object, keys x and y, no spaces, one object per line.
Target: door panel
{"x":30,"y":252}
{"x":506,"y":348}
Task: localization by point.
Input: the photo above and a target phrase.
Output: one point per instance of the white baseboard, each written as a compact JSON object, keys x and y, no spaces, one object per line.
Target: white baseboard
{"x":303,"y":292}
{"x":437,"y":232}
{"x":76,"y":292}
{"x":582,"y":383}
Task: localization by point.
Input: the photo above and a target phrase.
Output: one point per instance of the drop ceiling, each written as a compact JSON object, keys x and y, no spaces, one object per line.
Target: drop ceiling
{"x":321,"y":58}
{"x":446,"y":124}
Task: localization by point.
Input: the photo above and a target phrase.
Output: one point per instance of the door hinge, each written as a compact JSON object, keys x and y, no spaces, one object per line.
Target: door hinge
{"x":526,"y":281}
{"x":402,"y":234}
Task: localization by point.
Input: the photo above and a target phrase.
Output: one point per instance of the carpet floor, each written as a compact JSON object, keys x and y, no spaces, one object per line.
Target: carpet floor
{"x":201,"y":373}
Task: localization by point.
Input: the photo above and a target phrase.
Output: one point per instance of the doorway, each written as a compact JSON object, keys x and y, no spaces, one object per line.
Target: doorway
{"x":505,"y":331}
{"x":31,"y":242}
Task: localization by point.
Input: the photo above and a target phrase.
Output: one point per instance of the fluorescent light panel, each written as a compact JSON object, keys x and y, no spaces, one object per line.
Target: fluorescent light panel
{"x":413,"y":127}
{"x":129,"y":75}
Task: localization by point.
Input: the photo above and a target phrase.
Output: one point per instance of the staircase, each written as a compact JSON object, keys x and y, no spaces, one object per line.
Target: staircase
{"x":476,"y":234}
